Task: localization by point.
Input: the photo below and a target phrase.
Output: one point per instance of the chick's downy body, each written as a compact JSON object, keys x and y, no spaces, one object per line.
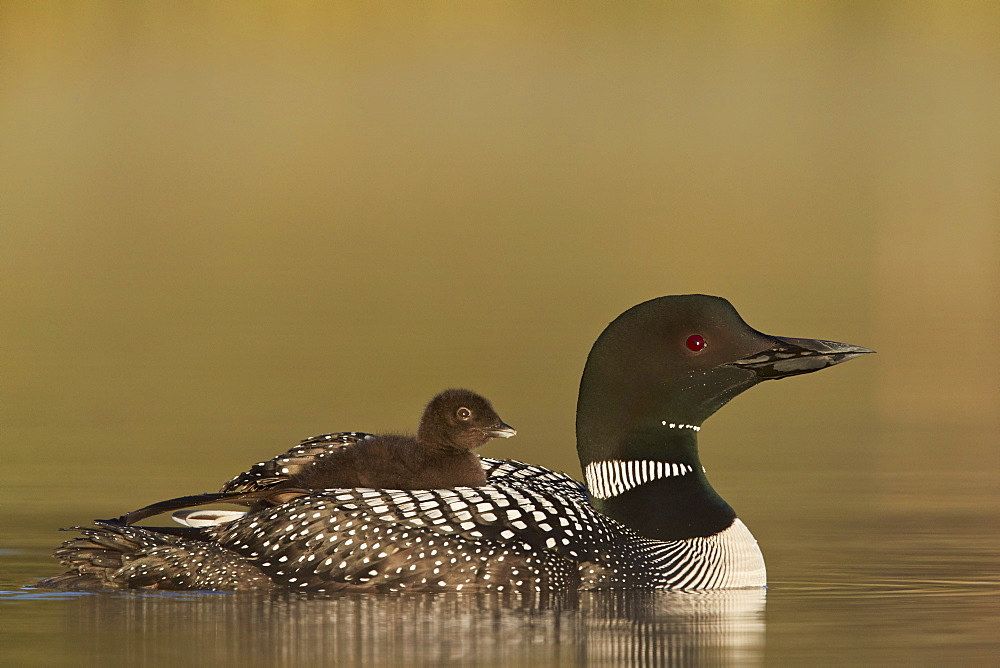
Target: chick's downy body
{"x":440,"y":456}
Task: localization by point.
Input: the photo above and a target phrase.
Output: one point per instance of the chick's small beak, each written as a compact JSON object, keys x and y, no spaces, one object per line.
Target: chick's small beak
{"x":500,"y":430}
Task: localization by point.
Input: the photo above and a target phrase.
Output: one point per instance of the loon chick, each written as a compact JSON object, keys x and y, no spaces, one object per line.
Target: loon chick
{"x":651,"y":518}
{"x":454,"y":423}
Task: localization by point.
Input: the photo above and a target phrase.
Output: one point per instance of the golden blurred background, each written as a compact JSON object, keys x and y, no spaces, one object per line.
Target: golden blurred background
{"x":226,"y":227}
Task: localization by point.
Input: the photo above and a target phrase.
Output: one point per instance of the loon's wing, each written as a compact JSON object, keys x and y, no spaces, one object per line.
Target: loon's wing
{"x":277,"y":470}
{"x":499,"y":537}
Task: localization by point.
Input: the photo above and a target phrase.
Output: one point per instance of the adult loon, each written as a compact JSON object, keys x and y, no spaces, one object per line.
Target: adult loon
{"x":651,"y":518}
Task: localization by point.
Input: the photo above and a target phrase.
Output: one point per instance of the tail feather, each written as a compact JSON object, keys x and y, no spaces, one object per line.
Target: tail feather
{"x":115,"y":556}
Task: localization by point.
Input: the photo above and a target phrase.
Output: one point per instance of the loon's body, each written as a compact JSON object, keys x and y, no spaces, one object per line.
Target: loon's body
{"x":650,"y":520}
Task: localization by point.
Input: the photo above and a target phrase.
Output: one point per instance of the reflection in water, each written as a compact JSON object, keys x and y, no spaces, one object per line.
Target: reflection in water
{"x":605,"y":628}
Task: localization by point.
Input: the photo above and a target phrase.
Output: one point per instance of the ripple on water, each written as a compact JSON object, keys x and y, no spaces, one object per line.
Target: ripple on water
{"x":888,"y":588}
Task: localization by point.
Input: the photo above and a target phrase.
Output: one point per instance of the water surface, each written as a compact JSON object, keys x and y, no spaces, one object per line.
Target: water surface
{"x":860,"y":574}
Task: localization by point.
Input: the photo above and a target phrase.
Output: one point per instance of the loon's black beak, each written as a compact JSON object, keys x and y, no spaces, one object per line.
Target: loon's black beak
{"x":792,"y":357}
{"x":500,"y":430}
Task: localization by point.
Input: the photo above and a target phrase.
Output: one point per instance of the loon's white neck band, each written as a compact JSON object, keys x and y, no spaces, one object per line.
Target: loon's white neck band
{"x":612,"y":477}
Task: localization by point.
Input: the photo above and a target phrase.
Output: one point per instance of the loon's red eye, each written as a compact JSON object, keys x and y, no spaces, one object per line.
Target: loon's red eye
{"x":696,"y":342}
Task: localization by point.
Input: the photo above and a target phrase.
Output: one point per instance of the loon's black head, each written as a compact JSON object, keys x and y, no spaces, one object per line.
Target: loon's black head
{"x":460,"y":420}
{"x":678,"y":359}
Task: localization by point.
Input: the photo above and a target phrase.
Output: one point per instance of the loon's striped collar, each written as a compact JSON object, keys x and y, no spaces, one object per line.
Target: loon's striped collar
{"x":611,"y":478}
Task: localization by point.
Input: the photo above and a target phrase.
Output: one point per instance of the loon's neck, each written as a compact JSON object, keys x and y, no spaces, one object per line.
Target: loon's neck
{"x":652,"y":481}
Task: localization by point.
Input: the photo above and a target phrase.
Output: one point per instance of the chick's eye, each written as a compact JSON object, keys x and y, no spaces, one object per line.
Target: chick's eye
{"x":696,"y":342}
{"x":463,"y":413}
